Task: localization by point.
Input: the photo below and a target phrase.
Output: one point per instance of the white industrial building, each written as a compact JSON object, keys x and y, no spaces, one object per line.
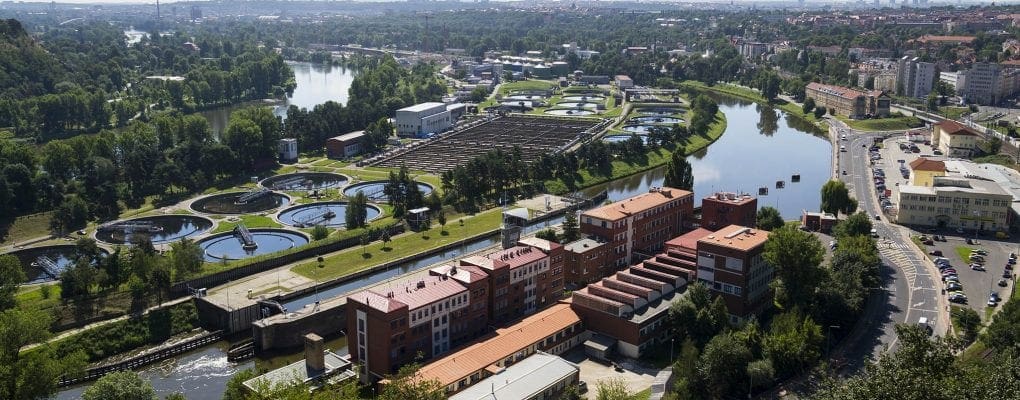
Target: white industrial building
{"x":421,"y":119}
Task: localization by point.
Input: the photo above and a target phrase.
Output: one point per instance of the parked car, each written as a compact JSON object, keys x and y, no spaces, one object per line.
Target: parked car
{"x":878,"y":217}
{"x":951,"y":278}
{"x":1002,"y":283}
{"x":929,"y":242}
{"x":980,"y":252}
{"x":1009,"y":267}
{"x":935,"y":252}
{"x":977,"y":258}
{"x":994,"y":296}
{"x":1007,"y":274}
{"x":958,"y":298}
{"x":977,"y":267}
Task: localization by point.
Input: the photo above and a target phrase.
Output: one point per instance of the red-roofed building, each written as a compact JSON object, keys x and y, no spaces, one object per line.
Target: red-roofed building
{"x":721,"y":209}
{"x":852,"y":103}
{"x":640,"y":224}
{"x":730,"y":263}
{"x":954,"y":139}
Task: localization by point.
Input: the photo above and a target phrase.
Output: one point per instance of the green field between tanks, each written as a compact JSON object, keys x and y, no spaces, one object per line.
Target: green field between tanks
{"x":356,"y":259}
{"x":24,"y":228}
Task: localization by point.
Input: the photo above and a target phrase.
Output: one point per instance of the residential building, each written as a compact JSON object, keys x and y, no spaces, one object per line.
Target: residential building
{"x":553,"y":330}
{"x":421,"y":119}
{"x":852,"y":103}
{"x":541,"y":376}
{"x":389,"y":329}
{"x":954,"y":79}
{"x":818,"y":221}
{"x":586,"y":261}
{"x":522,"y":279}
{"x":954,"y":139}
{"x":730,"y":263}
{"x":345,"y":146}
{"x":727,"y":208}
{"x":988,"y":83}
{"x":752,"y":50}
{"x":955,"y":202}
{"x":924,"y":170}
{"x":916,"y":76}
{"x":638,"y":225}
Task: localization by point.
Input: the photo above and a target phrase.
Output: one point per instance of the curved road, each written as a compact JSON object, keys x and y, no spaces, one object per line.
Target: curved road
{"x":909,"y":288}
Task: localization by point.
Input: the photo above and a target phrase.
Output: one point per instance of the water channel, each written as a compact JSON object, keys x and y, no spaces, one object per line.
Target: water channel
{"x":760,"y":146}
{"x":316,"y":84}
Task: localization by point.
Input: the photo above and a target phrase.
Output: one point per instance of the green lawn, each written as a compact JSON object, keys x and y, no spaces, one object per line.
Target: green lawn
{"x":36,"y":297}
{"x":953,"y":112}
{"x":964,"y":253}
{"x":354,"y":259}
{"x":251,"y":221}
{"x":882,"y":124}
{"x":642,"y":395}
{"x":25,"y":227}
{"x":655,"y":158}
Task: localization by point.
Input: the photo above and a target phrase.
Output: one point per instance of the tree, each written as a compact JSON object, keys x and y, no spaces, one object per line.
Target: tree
{"x":386,"y":237}
{"x":723,"y":365}
{"x":933,"y":102}
{"x":123,"y":385}
{"x":571,"y":230}
{"x":697,"y":317}
{"x":768,"y":218}
{"x":796,"y":256}
{"x":820,"y":112}
{"x":11,"y":275}
{"x":72,"y":214}
{"x":356,"y":214}
{"x":547,"y":234}
{"x":679,"y":173}
{"x":408,"y":384}
{"x":761,"y":373}
{"x":611,"y":389}
{"x":809,"y":104}
{"x":968,"y":322}
{"x":32,"y":374}
{"x":441,"y":218}
{"x":320,"y":232}
{"x":992,"y":145}
{"x":856,"y":224}
{"x":768,"y":82}
{"x":186,"y":258}
{"x":835,"y":197}
{"x":793,"y":343}
{"x":364,"y":240}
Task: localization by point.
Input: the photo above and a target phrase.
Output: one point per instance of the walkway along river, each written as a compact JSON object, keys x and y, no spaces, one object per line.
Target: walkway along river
{"x":759,"y":147}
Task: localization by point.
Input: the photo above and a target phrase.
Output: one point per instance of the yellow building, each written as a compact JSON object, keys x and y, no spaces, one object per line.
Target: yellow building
{"x":924,"y":170}
{"x":954,"y":139}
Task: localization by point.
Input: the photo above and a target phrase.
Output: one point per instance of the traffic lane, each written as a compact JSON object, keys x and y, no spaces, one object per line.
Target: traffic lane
{"x":876,"y":326}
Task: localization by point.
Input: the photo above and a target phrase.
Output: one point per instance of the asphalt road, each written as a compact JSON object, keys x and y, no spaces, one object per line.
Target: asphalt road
{"x":908,"y":291}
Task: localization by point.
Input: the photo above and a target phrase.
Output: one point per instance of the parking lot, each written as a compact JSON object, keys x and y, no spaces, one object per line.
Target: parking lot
{"x":636,"y":377}
{"x":977,"y":284}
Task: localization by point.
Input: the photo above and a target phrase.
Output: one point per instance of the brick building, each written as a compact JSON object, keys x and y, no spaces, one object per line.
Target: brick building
{"x":730,"y":263}
{"x":639,"y":224}
{"x":344,"y":146}
{"x":852,"y":103}
{"x":586,"y":261}
{"x":723,"y":208}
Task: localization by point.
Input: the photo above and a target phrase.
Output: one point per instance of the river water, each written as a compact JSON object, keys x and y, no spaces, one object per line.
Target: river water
{"x":316,"y":84}
{"x":761,"y":145}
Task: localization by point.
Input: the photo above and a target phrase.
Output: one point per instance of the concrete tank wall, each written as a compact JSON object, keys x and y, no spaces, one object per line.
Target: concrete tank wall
{"x":281,"y":332}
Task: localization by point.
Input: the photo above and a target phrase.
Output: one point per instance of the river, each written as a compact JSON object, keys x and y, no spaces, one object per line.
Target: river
{"x":760,"y":146}
{"x":316,"y":84}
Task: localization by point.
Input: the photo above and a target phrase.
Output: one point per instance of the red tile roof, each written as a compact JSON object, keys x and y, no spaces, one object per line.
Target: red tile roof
{"x":518,"y":255}
{"x":737,"y":237}
{"x":955,"y":128}
{"x":927,"y":164}
{"x":642,"y":202}
{"x":412,"y":293}
{"x":841,"y":91}
{"x":688,"y":240}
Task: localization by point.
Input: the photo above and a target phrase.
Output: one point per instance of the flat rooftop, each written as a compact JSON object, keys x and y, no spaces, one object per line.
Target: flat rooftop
{"x":423,"y":107}
{"x":522,"y":380}
{"x":337,"y":370}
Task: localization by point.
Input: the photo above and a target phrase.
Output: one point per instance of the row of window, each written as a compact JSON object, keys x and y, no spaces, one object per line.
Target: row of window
{"x":424,"y":312}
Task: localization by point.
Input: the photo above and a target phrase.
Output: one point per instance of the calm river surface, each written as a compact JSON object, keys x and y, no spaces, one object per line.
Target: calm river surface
{"x":760,"y":146}
{"x":316,"y":84}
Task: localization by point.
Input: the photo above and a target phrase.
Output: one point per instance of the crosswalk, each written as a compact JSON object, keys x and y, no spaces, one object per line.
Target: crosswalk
{"x":898,"y":254}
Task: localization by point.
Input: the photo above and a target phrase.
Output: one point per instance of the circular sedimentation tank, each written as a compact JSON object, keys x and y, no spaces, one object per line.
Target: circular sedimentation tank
{"x":374,"y":190}
{"x":584,"y":98}
{"x":524,"y":97}
{"x":639,"y":129}
{"x":45,"y":263}
{"x":158,"y":229}
{"x":231,"y":246}
{"x":236,"y":203}
{"x":305,"y":181}
{"x":660,"y":112}
{"x":622,"y":138}
{"x":576,"y":104}
{"x":569,"y":112}
{"x":330,"y":214}
{"x":656,"y":120}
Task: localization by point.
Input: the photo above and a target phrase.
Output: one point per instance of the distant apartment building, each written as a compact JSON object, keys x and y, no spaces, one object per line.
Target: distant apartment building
{"x":421,"y":119}
{"x":725,"y":208}
{"x":640,"y":224}
{"x":955,"y":202}
{"x":916,"y":77}
{"x":849,"y":102}
{"x":988,"y":83}
{"x":954,"y":139}
{"x":752,"y":50}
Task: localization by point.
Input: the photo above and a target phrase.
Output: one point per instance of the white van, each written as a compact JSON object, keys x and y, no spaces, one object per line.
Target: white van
{"x":842,"y":149}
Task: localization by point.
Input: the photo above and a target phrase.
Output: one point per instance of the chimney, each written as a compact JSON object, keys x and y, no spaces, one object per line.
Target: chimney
{"x":315,"y":357}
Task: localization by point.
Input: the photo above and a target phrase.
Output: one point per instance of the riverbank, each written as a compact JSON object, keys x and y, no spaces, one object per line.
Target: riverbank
{"x":790,"y":108}
{"x":653,"y":159}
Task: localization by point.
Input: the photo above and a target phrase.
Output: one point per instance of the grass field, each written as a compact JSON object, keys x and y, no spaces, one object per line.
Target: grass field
{"x":251,"y":221}
{"x":355,"y":259}
{"x":655,"y":158}
{"x":25,"y":227}
{"x":953,"y":112}
{"x":883,"y":124}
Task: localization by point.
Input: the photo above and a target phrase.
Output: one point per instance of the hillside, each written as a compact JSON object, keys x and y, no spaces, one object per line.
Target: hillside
{"x":26,"y":69}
